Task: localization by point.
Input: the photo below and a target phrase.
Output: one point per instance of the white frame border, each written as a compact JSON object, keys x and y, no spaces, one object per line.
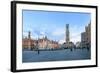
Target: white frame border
{"x":20,"y":65}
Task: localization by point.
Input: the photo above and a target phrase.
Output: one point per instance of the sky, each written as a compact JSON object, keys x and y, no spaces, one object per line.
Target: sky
{"x":53,"y":24}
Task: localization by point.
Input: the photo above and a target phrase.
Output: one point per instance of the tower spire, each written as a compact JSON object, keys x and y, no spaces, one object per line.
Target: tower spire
{"x":29,"y":34}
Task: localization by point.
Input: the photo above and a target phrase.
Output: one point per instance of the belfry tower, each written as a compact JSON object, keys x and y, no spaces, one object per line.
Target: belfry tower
{"x":67,"y":33}
{"x":29,"y":40}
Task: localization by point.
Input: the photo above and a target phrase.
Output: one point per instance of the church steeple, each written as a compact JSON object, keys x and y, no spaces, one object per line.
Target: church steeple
{"x":29,"y":34}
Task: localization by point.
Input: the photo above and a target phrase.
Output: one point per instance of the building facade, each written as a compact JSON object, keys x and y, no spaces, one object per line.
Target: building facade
{"x":86,"y":37}
{"x":28,"y":42}
{"x":43,"y":43}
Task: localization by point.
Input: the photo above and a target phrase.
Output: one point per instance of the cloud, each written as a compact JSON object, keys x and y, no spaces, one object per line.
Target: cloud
{"x":25,"y":34}
{"x":42,"y":33}
{"x":39,"y":33}
{"x":61,"y":41}
{"x":76,"y":39}
{"x":75,"y":36}
{"x":58,"y":32}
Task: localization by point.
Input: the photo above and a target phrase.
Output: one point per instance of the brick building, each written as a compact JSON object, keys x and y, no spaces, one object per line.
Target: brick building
{"x":43,"y":43}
